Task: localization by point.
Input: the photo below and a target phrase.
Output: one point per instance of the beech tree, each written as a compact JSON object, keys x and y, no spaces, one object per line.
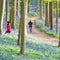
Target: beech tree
{"x":46,"y":15}
{"x":36,"y":5}
{"x":28,"y":6}
{"x":2,"y":8}
{"x":19,"y":31}
{"x":18,"y":7}
{"x":6,"y":10}
{"x":59,"y":27}
{"x":56,"y":18}
{"x":50,"y":15}
{"x":22,"y":26}
{"x":59,"y":39}
{"x":41,"y":9}
{"x":13,"y":13}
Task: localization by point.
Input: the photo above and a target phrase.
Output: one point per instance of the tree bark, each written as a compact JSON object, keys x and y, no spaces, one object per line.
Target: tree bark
{"x":59,"y":39}
{"x":26,"y":11}
{"x":50,"y":16}
{"x":56,"y":18}
{"x":18,"y":8}
{"x":22,"y":26}
{"x":19,"y":34}
{"x":13,"y":14}
{"x":41,"y":9}
{"x":28,"y":6}
{"x":59,"y":27}
{"x":6,"y":10}
{"x":59,"y":10}
{"x":36,"y":5}
{"x":46,"y":15}
{"x":2,"y":8}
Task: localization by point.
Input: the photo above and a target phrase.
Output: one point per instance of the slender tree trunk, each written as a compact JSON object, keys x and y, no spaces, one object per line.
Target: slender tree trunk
{"x":13,"y":13}
{"x":2,"y":8}
{"x":41,"y":9}
{"x":19,"y":34}
{"x":18,"y":8}
{"x":56,"y":18}
{"x":6,"y":10}
{"x":28,"y":6}
{"x":46,"y":16}
{"x":59,"y":26}
{"x":26,"y":11}
{"x":59,"y":10}
{"x":50,"y":15}
{"x":22,"y":26}
{"x":59,"y":39}
{"x":36,"y":5}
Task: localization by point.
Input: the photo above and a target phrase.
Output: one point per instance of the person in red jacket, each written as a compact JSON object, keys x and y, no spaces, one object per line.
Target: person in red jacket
{"x":8,"y":29}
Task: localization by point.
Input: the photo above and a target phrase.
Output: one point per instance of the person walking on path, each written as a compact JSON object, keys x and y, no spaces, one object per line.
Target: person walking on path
{"x":30,"y":23}
{"x":8,"y":29}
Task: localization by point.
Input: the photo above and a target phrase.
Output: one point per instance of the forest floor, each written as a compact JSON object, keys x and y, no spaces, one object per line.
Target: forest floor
{"x":38,"y":33}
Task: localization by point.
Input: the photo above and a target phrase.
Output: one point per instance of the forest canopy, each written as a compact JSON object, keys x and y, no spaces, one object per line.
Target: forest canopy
{"x":51,"y":0}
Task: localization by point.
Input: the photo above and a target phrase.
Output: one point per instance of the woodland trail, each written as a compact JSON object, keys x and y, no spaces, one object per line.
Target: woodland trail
{"x":36,"y":32}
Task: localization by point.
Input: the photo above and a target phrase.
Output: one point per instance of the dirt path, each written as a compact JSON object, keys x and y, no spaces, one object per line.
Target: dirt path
{"x":38,"y":33}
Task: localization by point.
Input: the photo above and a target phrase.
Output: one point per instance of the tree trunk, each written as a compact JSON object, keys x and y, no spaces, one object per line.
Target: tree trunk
{"x":50,"y":15}
{"x":41,"y":9}
{"x":2,"y":8}
{"x":13,"y":14}
{"x":59,"y":26}
{"x":46,"y":15}
{"x":56,"y":18}
{"x":6,"y":10}
{"x":59,"y":10}
{"x":28,"y":6}
{"x":22,"y":26}
{"x":36,"y":5}
{"x":59,"y":39}
{"x":18,"y":8}
{"x":26,"y":11}
{"x":19,"y":34}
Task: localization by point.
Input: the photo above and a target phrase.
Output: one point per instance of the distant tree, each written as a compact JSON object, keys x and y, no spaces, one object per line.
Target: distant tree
{"x":41,"y":9}
{"x":17,"y":7}
{"x":59,"y":39}
{"x":59,"y":27}
{"x":36,"y":5}
{"x":2,"y":8}
{"x":50,"y":15}
{"x":6,"y":10}
{"x":26,"y":12}
{"x":59,"y":10}
{"x":19,"y":34}
{"x":13,"y":13}
{"x":56,"y":17}
{"x":28,"y":6}
{"x":46,"y":15}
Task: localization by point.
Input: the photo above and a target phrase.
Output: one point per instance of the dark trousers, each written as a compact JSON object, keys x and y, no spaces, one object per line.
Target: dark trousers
{"x":30,"y":29}
{"x":7,"y":32}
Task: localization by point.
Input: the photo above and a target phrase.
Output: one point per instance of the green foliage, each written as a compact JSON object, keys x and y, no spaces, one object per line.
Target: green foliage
{"x":39,"y":25}
{"x":33,"y":51}
{"x":32,"y":14}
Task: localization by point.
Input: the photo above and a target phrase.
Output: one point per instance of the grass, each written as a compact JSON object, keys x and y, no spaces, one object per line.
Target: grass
{"x":40,"y":25}
{"x":33,"y":50}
